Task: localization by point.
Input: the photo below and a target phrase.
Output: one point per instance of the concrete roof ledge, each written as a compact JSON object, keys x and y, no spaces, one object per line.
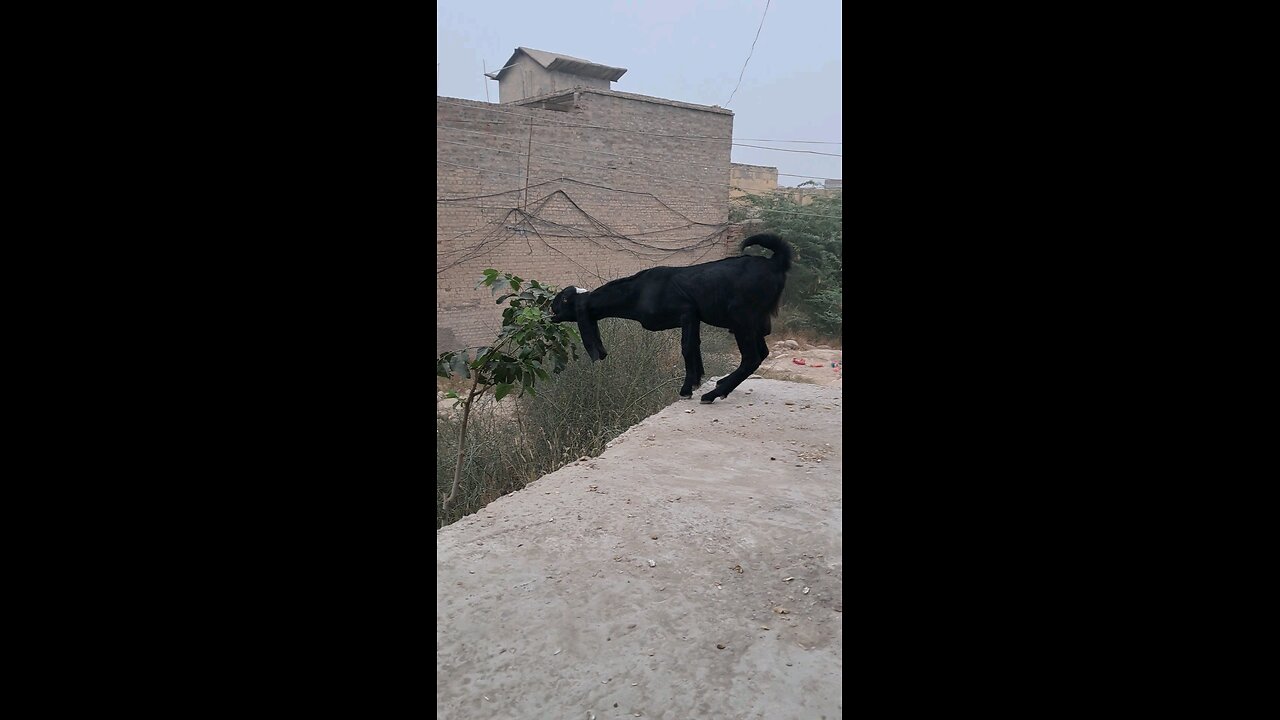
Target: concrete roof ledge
{"x":626,"y":95}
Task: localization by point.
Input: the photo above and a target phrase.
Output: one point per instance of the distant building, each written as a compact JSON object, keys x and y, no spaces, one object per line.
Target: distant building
{"x":530,"y":73}
{"x":806,"y":195}
{"x":763,"y":180}
{"x":751,"y":180}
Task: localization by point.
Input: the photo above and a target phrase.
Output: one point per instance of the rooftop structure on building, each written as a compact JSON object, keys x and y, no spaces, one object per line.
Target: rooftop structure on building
{"x":529,"y":73}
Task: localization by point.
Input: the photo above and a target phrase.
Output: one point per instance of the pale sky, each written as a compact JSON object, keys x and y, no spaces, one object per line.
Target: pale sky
{"x":686,"y":50}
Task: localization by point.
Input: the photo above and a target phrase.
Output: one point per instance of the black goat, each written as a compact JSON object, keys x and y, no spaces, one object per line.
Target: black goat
{"x":739,"y":294}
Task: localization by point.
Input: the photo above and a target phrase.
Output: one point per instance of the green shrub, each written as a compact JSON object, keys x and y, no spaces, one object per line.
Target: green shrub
{"x":812,"y":300}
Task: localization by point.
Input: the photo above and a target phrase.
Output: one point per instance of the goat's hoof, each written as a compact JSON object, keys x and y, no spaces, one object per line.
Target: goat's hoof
{"x":707,"y":400}
{"x":686,"y":397}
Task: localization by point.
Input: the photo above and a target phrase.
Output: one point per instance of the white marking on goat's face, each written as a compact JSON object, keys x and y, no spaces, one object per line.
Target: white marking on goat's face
{"x":581,"y":290}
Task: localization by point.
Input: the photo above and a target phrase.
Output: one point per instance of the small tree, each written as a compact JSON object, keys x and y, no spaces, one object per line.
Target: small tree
{"x":528,"y":346}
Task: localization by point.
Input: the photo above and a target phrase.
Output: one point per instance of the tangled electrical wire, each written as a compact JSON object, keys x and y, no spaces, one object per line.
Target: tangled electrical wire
{"x":517,"y":222}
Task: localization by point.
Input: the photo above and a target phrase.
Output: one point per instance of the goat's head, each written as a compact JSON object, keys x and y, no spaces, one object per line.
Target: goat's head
{"x":570,"y":305}
{"x":563,"y":306}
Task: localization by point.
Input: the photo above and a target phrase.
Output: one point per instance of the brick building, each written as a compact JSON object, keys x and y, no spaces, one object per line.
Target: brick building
{"x":751,"y":180}
{"x":576,"y":186}
{"x":763,"y":180}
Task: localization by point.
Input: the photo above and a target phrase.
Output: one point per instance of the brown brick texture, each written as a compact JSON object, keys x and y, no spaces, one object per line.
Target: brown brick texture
{"x":601,"y":203}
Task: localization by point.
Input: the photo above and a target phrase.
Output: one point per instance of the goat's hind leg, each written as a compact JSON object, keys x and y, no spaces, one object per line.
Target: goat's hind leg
{"x":749,"y":345}
{"x":691,"y":348}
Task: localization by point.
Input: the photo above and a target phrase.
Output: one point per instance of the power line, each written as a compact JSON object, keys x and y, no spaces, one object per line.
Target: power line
{"x":565,"y":123}
{"x":606,"y":187}
{"x":638,"y":192}
{"x":679,"y":137}
{"x":661,"y":253}
{"x":472,"y":252}
{"x":610,"y":233}
{"x":495,"y":172}
{"x":753,"y":49}
{"x":569,"y":147}
{"x":809,"y":142}
{"x":606,"y":127}
{"x":618,"y":155}
{"x":647,"y":232}
{"x":565,"y":179}
{"x":805,"y":176}
{"x":528,"y":220}
{"x":701,"y":183}
{"x":811,"y":152}
{"x":610,"y":230}
{"x":555,"y":122}
{"x":489,"y":195}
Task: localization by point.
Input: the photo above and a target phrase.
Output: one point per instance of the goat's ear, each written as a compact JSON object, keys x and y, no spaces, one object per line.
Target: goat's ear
{"x":587,"y":328}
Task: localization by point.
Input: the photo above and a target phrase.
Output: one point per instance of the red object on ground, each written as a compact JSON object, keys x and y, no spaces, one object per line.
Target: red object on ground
{"x":798,"y":361}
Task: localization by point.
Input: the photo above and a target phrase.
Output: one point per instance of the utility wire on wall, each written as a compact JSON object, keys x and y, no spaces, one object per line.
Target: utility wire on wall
{"x":528,"y":219}
{"x":558,"y":123}
{"x":642,"y":132}
{"x":604,"y":152}
{"x":700,"y":183}
{"x":562,"y":123}
{"x":525,"y":222}
{"x":650,"y":195}
{"x":582,"y":182}
{"x":522,"y":219}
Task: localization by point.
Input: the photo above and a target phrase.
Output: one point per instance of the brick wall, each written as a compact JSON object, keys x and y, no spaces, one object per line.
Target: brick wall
{"x":752,"y":179}
{"x":663,"y":200}
{"x":805,"y":195}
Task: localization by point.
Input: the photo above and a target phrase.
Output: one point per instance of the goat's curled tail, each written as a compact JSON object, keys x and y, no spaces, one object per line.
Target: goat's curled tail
{"x":781,"y":250}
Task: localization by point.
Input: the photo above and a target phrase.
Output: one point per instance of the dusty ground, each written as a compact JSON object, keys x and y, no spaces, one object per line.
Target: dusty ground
{"x":781,"y":365}
{"x":652,"y":581}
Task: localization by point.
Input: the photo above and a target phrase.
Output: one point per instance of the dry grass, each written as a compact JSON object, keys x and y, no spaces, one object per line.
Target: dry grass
{"x":574,"y":413}
{"x":792,"y":324}
{"x":804,"y":336}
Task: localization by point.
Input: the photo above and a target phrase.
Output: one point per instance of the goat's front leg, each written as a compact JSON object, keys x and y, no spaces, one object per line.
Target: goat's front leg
{"x":691,"y":348}
{"x":754,"y":350}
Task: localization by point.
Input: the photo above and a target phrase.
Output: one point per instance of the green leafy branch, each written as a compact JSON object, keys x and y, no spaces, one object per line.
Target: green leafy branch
{"x":529,"y":347}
